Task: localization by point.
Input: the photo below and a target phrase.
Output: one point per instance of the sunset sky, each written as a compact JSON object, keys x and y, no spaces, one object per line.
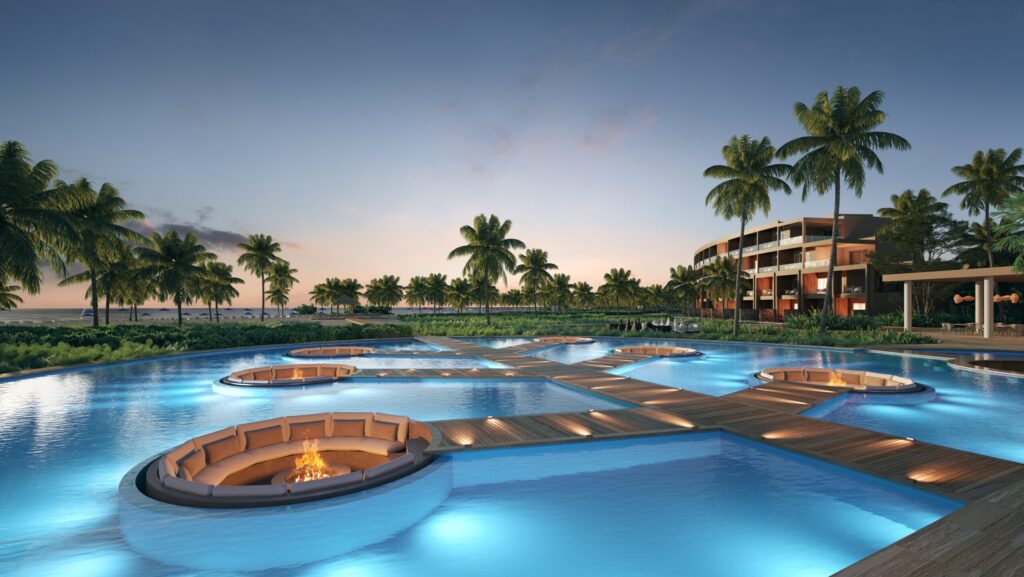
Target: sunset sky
{"x":363,"y":134}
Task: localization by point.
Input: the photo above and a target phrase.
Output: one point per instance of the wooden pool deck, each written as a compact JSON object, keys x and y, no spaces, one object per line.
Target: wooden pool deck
{"x":985,"y":537}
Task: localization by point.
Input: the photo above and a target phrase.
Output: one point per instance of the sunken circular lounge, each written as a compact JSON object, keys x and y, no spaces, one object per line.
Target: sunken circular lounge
{"x":328,"y":352}
{"x":859,"y":381}
{"x":667,"y":352}
{"x":288,"y":460}
{"x":289,"y":375}
{"x":564,"y":340}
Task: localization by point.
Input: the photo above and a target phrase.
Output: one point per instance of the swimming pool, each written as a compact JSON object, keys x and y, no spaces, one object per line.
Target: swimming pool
{"x":703,"y":504}
{"x":66,"y":438}
{"x":397,"y":361}
{"x":497,"y":342}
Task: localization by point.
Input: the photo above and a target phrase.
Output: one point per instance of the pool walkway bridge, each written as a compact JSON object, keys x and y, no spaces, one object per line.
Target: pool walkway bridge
{"x":985,"y":537}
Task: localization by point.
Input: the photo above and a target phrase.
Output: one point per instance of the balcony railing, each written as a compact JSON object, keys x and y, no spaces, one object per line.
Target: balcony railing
{"x":816,"y":237}
{"x":767,"y":269}
{"x":768,"y":244}
{"x":791,"y":240}
{"x":734,"y":253}
{"x":816,"y":263}
{"x":791,"y":266}
{"x":749,"y":271}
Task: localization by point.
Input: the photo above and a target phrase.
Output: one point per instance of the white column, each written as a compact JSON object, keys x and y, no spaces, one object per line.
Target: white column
{"x":979,"y":304}
{"x":988,"y":287}
{"x":908,"y":306}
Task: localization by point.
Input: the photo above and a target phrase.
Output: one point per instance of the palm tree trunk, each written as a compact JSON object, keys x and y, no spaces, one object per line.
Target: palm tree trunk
{"x":179,"y":314}
{"x":739,"y":271}
{"x":209,"y":310}
{"x":94,"y":299}
{"x":823,"y":321}
{"x":263,"y":297}
{"x":487,"y":301}
{"x":216,"y":310}
{"x":106,"y":312}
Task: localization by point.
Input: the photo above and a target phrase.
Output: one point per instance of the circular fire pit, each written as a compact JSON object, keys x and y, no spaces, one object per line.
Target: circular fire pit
{"x":860,"y":381}
{"x":289,"y":375}
{"x":667,"y":352}
{"x":288,"y":460}
{"x":564,"y":340}
{"x":329,"y":352}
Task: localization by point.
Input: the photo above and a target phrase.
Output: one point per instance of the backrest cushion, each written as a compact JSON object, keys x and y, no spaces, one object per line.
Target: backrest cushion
{"x":222,"y":449}
{"x":190,"y":465}
{"x":256,"y":438}
{"x":385,"y":431}
{"x":349,"y":428}
{"x":402,"y":433}
{"x":307,"y":430}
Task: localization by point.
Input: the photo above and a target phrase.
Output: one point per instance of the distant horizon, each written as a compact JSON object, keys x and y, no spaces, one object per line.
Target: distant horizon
{"x":362,"y":137}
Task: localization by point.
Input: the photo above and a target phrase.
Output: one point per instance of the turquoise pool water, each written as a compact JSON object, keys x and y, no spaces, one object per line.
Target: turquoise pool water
{"x":704,"y":504}
{"x":497,"y":342}
{"x":67,"y":438}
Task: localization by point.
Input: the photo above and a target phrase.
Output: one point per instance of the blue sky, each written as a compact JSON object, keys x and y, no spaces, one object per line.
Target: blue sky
{"x":362,"y":134}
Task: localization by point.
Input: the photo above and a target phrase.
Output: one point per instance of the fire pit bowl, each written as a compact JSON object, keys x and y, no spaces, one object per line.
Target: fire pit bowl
{"x":329,"y":352}
{"x":289,"y":375}
{"x":288,"y":460}
{"x":860,"y":381}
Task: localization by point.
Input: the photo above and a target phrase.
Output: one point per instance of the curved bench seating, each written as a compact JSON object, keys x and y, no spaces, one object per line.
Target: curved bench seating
{"x":564,"y":340}
{"x":667,"y":352}
{"x":226,"y":465}
{"x":327,"y":352}
{"x":861,"y":381}
{"x":284,"y":375}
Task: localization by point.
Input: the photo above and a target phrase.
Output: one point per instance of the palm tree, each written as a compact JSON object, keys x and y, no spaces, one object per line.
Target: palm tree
{"x":436,"y":290}
{"x":259,"y":253}
{"x":1012,"y":229}
{"x":416,"y":292}
{"x":620,"y":285}
{"x":683,"y":282}
{"x":278,"y":296}
{"x":321,"y":295}
{"x":661,"y":296}
{"x":9,"y":298}
{"x":100,"y":234}
{"x":513,"y":298}
{"x":534,"y":266}
{"x":350,"y":288}
{"x":751,"y":177}
{"x":490,"y":253}
{"x":718,"y":276}
{"x":840,"y":145}
{"x":282,"y":279}
{"x":34,"y":223}
{"x":558,"y":291}
{"x":583,"y":294}
{"x":219,"y":286}
{"x":986,"y":183}
{"x":385,"y":291}
{"x":176,"y":265}
{"x":460,"y":293}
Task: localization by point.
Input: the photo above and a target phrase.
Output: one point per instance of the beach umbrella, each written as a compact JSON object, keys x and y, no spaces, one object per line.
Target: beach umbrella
{"x":145,"y":314}
{"x":164,"y":310}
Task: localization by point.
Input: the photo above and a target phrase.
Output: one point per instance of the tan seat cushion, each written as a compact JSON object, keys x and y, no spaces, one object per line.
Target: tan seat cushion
{"x":186,"y":486}
{"x":191,"y":464}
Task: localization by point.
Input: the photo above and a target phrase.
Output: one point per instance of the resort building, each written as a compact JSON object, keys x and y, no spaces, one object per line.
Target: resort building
{"x":786,"y":266}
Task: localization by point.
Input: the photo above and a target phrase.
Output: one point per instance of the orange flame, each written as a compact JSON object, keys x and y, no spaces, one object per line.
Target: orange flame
{"x":836,"y":380}
{"x":310,"y":465}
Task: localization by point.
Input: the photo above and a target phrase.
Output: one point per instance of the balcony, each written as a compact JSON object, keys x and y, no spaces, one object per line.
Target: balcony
{"x":765,"y":269}
{"x":791,"y":266}
{"x":853,"y":290}
{"x":733,"y":253}
{"x":791,"y":240}
{"x":767,"y":294}
{"x":820,"y":263}
{"x":816,"y":237}
{"x":769,"y":244}
{"x":749,"y":271}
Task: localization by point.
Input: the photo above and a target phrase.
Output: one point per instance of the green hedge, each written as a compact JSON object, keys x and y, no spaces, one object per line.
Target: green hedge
{"x":36,"y":347}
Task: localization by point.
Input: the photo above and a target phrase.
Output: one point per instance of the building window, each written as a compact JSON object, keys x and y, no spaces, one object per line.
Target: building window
{"x":860,"y":306}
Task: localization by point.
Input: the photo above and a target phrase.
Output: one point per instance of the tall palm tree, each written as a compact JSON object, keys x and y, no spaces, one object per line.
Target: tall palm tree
{"x":583,"y":294}
{"x":35,"y":227}
{"x":436,"y":290}
{"x":718,"y":278}
{"x":841,"y":143}
{"x":385,"y":291}
{"x":281,"y":278}
{"x":220,"y":286}
{"x":750,"y":178}
{"x":100,"y":234}
{"x":176,"y":265}
{"x":513,"y":298}
{"x":259,"y":253}
{"x":1012,"y":229}
{"x":321,"y":296}
{"x":416,"y":292}
{"x":534,"y":267}
{"x":460,"y":293}
{"x":558,"y":291}
{"x":620,"y":285}
{"x":278,"y":296}
{"x":986,"y":183}
{"x":350,"y":288}
{"x":683,"y":282}
{"x":489,"y":252}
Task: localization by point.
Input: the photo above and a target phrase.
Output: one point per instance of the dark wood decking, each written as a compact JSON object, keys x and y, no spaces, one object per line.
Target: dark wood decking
{"x":986,"y":537}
